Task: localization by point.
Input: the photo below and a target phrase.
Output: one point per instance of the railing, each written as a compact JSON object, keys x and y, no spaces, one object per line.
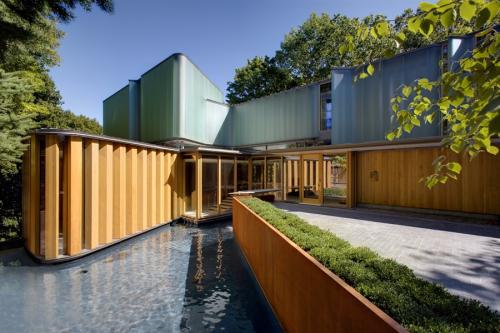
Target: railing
{"x":83,"y":192}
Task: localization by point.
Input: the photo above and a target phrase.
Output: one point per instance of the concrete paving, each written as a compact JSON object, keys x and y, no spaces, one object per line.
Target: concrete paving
{"x":463,"y":257}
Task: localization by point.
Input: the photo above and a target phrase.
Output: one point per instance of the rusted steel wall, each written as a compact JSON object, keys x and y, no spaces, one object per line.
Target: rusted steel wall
{"x":305,"y":296}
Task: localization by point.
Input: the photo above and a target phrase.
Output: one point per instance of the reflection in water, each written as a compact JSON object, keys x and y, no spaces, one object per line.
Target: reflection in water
{"x":220,"y":254}
{"x":171,"y":279}
{"x":200,"y":273}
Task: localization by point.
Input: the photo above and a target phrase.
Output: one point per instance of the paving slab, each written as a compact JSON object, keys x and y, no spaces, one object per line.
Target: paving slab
{"x":463,"y":257}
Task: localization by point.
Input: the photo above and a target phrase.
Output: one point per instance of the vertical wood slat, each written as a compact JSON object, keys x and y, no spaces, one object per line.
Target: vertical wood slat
{"x":175,"y":186}
{"x":199,"y":185}
{"x":91,"y":194}
{"x":351,"y":179}
{"x":151,"y":188}
{"x":131,"y":191}
{"x":180,"y":176}
{"x":74,"y":195}
{"x":33,"y":240}
{"x":106,"y":193}
{"x":219,"y":183}
{"x":160,"y":187}
{"x":119,"y":188}
{"x":168,"y":187}
{"x":52,"y":197}
{"x":142,"y":189}
{"x":235,"y":175}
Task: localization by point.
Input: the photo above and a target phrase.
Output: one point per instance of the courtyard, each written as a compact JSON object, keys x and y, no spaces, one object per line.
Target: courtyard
{"x":461,"y":256}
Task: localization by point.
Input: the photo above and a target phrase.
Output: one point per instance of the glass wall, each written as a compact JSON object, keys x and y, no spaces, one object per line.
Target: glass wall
{"x":209,"y":186}
{"x":273,"y":176}
{"x":311,"y":174}
{"x":242,"y":175}
{"x":335,"y":179}
{"x":257,"y":174}
{"x":291,"y":178}
{"x":190,"y":186}
{"x":227,"y":184}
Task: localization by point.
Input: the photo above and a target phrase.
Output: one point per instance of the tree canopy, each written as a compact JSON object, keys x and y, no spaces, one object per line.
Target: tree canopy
{"x":28,"y":49}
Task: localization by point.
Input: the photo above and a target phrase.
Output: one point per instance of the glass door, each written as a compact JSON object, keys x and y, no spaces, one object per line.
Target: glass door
{"x":312,"y":178}
{"x":335,"y":180}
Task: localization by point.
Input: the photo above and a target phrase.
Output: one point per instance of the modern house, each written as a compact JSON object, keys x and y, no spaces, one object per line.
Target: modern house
{"x":174,"y":149}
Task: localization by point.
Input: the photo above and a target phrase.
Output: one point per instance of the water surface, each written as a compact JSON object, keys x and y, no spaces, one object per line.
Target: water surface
{"x":175,"y":279}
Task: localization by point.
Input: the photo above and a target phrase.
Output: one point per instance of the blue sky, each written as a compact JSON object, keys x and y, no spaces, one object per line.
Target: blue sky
{"x":101,"y":52}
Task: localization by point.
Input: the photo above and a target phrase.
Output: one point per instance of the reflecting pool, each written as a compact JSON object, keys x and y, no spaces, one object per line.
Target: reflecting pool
{"x":175,"y":279}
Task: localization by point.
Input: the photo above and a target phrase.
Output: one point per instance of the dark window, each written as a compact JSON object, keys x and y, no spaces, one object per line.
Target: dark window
{"x":326,"y":107}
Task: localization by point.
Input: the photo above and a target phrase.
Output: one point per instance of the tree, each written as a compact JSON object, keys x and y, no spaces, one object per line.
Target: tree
{"x":14,"y":126}
{"x":17,"y":17}
{"x":68,"y":120}
{"x":307,"y":54}
{"x":260,"y":77}
{"x":469,"y":103}
{"x":28,"y":96}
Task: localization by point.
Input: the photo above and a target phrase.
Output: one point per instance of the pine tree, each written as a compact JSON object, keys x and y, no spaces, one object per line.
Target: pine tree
{"x":15,"y":95}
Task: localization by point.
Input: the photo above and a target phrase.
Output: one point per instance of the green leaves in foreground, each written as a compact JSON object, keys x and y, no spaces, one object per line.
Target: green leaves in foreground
{"x":418,"y":305}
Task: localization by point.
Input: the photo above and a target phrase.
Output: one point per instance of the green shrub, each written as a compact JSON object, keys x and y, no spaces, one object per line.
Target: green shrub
{"x":419,"y":305}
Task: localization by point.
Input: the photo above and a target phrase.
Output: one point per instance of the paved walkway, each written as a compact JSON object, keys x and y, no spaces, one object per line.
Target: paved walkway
{"x":463,"y":257}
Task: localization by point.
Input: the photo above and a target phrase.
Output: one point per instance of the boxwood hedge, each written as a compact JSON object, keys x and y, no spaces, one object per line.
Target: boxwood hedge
{"x":418,"y":305}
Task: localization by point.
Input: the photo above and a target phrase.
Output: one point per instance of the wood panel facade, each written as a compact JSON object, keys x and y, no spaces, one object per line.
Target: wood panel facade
{"x":84,"y":193}
{"x":109,"y":189}
{"x":392,"y":178}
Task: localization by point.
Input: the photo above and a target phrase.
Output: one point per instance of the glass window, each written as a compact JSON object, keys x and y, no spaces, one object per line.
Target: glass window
{"x":190,"y":186}
{"x":257,"y":174}
{"x":273,"y":176}
{"x":227,"y":184}
{"x":335,"y":174}
{"x":326,"y":106}
{"x":209,"y":186}
{"x":291,"y":178}
{"x":242,"y":175}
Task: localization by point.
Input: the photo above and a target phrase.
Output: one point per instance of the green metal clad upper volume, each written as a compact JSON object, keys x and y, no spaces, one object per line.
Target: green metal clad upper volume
{"x":116,"y":114}
{"x":286,"y":116}
{"x":160,"y":101}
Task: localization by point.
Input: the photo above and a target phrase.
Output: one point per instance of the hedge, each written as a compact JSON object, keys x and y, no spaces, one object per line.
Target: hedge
{"x":418,"y":305}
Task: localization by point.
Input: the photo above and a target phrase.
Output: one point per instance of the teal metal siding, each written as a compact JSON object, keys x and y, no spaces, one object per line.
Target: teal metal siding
{"x":202,"y":109}
{"x":362,"y":110}
{"x":159,"y":117}
{"x":116,"y":114}
{"x":287,"y":116}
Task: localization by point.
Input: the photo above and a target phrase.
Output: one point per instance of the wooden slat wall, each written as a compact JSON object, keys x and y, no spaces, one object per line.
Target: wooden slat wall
{"x":74,"y":195}
{"x":110,"y":190}
{"x":52,"y":191}
{"x":105,"y":192}
{"x":91,"y":194}
{"x":391,"y":178}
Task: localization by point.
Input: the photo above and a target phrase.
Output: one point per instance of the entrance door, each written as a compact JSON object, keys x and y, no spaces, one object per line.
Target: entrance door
{"x":312,"y":179}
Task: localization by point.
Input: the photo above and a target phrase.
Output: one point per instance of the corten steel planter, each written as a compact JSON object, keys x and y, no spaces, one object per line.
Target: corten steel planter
{"x":305,"y":295}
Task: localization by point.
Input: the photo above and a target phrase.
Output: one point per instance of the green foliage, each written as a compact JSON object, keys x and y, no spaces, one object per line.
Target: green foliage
{"x":307,"y":54}
{"x":418,"y":305}
{"x":68,"y":120}
{"x":15,"y":94}
{"x":10,"y":207}
{"x":28,"y":97}
{"x":468,"y":104}
{"x":260,"y":77}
